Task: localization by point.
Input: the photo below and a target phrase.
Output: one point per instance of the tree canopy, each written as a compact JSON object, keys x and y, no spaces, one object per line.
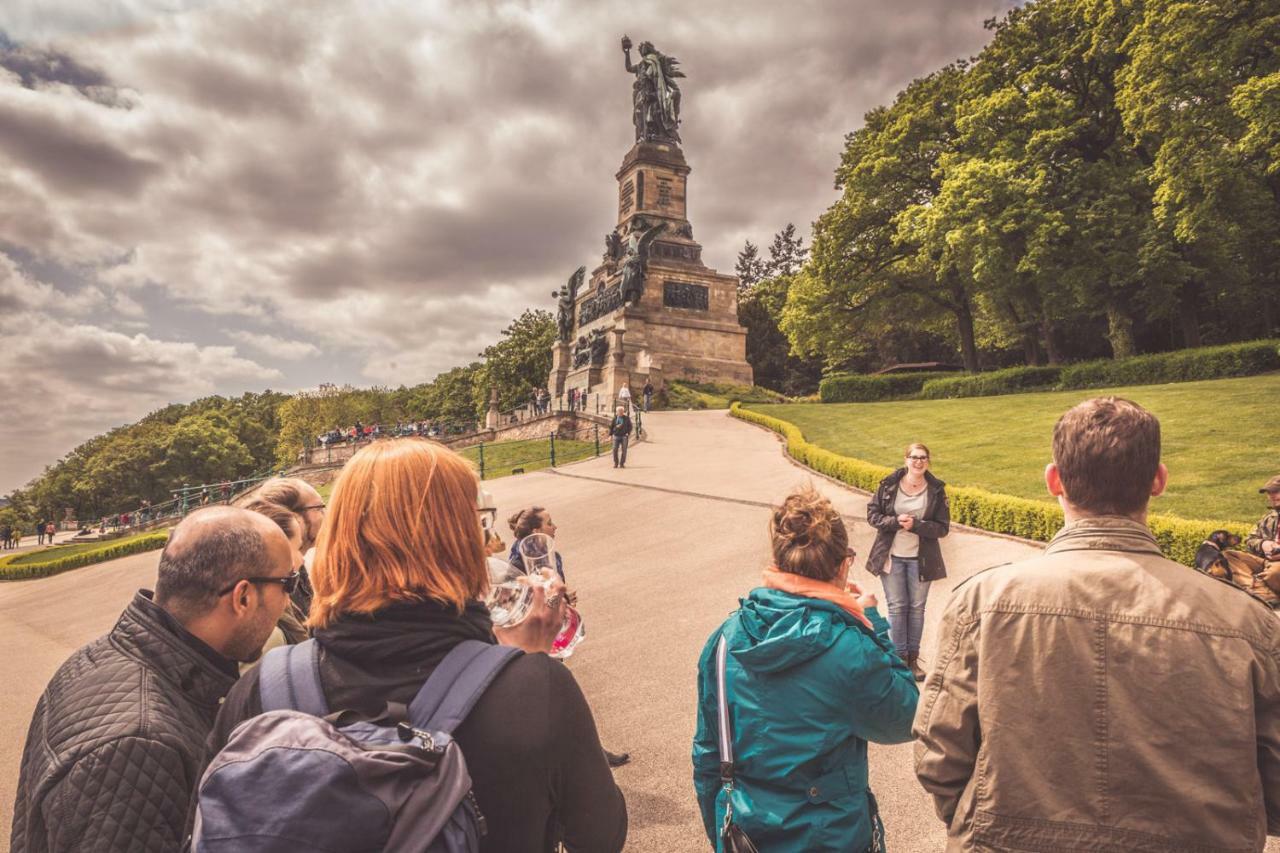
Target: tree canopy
{"x":1102,"y":179}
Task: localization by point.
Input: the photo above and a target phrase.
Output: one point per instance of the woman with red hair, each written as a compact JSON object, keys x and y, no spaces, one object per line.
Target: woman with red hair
{"x":399,"y":579}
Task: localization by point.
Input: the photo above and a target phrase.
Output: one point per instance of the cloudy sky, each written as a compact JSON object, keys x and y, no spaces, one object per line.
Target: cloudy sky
{"x":199,"y":196}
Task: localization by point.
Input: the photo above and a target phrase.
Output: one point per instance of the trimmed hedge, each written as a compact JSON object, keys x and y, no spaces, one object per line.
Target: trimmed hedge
{"x":1244,"y":359}
{"x":1178,"y":538}
{"x":863,"y":388}
{"x":112,"y":551}
{"x":1008,"y":381}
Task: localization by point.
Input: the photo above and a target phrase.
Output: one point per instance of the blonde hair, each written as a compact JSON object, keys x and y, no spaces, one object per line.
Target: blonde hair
{"x":809,"y":536}
{"x":917,"y":446}
{"x":286,"y":519}
{"x":401,"y":526}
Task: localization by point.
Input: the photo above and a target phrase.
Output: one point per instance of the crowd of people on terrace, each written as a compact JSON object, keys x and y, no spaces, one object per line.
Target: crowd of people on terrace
{"x":368,"y":432}
{"x":1097,"y":697}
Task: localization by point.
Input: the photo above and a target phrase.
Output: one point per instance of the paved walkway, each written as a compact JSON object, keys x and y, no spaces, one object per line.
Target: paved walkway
{"x":659,"y":552}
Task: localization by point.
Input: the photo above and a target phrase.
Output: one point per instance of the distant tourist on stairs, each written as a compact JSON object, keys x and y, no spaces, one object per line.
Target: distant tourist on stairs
{"x":624,"y":397}
{"x":910,"y":514}
{"x":620,"y":429}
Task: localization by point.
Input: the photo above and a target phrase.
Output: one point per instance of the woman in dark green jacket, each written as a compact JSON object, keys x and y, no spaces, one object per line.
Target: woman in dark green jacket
{"x":811,"y":677}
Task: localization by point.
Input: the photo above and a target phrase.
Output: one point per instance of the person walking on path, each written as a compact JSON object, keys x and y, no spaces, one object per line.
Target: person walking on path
{"x":910,"y":513}
{"x":624,"y":397}
{"x":1101,"y":697}
{"x":620,"y":429}
{"x":809,"y":678}
{"x":400,"y":572}
{"x":40,"y":532}
{"x":1264,"y":541}
{"x":648,"y":394}
{"x":118,"y":738}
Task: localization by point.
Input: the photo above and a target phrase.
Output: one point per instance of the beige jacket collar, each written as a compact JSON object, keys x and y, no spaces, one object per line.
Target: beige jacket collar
{"x":1104,"y":533}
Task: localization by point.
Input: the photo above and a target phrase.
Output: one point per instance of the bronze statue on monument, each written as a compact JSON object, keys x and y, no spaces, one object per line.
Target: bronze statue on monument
{"x":565,"y":299}
{"x":655,"y":95}
{"x":635,"y":260}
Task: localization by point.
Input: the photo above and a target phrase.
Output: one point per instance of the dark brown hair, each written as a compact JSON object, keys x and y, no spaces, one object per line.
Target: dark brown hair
{"x":1107,"y":451}
{"x":809,"y":536}
{"x":526,"y":521}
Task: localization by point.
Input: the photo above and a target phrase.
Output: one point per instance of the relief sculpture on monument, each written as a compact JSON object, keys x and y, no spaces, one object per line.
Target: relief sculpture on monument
{"x":636,"y":261}
{"x":565,"y":298}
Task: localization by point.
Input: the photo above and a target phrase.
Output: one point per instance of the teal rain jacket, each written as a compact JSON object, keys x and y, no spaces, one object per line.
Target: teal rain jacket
{"x":808,"y":687}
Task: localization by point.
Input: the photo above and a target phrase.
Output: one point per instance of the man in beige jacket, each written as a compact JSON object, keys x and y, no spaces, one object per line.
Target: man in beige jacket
{"x":1101,"y":697}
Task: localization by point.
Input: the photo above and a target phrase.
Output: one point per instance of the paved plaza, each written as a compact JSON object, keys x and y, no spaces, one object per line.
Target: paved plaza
{"x":659,"y":551}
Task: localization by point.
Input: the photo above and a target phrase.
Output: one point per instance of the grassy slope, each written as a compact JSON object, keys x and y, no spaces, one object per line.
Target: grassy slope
{"x":44,"y":555}
{"x":532,"y":455}
{"x":1221,"y":439}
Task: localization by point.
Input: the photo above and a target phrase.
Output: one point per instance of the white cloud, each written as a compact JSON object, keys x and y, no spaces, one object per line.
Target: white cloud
{"x":281,"y":348}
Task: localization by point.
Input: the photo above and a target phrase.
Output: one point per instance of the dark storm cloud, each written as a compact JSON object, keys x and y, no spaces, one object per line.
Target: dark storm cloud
{"x":390,"y":183}
{"x":36,"y":67}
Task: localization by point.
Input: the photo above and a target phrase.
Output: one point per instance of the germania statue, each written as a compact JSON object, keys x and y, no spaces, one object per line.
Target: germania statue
{"x":656,"y":97}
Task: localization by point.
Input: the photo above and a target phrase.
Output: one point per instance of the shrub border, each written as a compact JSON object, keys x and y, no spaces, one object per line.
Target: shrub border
{"x":1179,"y":538}
{"x":146,"y":542}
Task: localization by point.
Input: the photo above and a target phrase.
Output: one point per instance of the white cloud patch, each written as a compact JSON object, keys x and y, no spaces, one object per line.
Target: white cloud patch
{"x":280,"y":348}
{"x":391,"y":183}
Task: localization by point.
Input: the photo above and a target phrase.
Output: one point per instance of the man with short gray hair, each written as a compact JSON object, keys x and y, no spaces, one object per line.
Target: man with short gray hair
{"x":118,"y":738}
{"x":1101,"y":697}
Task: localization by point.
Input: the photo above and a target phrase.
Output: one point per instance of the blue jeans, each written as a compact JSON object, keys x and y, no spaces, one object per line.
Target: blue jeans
{"x":905,"y":595}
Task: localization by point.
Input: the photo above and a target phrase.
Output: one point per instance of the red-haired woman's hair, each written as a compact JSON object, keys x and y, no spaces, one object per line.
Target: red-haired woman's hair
{"x":401,"y":526}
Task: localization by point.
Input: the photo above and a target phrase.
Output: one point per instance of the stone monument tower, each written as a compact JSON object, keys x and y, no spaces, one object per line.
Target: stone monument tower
{"x":651,"y":310}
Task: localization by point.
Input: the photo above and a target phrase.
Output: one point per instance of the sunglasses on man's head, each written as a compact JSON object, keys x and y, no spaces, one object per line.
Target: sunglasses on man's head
{"x":289,"y":582}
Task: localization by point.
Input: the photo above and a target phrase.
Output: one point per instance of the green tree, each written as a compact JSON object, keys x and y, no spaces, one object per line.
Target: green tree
{"x":869,"y":265}
{"x":204,"y":448}
{"x":519,"y":362}
{"x":750,"y":268}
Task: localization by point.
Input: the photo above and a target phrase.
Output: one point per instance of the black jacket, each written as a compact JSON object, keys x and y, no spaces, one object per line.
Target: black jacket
{"x":117,"y":740}
{"x":930,"y":527}
{"x":621,"y":426}
{"x":537,"y":767}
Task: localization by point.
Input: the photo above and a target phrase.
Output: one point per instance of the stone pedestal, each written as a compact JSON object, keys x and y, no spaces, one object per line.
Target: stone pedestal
{"x":561,"y":361}
{"x":685,"y":324}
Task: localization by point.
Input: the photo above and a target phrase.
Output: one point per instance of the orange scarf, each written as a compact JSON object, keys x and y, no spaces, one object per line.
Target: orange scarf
{"x":813,"y":588}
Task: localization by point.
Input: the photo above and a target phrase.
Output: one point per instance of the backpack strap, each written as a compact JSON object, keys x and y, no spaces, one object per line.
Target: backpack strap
{"x":289,"y":680}
{"x":457,"y":683}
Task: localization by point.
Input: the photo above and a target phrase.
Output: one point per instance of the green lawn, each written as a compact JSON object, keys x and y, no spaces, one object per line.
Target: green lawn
{"x":532,"y":455}
{"x":1221,"y":439}
{"x":45,"y":555}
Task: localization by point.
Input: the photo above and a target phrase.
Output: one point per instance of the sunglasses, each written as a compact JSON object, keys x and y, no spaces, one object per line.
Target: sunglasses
{"x":918,"y":458}
{"x":289,"y":582}
{"x":313,"y":506}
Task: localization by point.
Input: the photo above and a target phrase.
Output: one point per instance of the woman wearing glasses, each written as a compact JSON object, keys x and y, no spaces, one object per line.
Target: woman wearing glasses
{"x":910,"y":514}
{"x":809,"y":677}
{"x":399,"y":579}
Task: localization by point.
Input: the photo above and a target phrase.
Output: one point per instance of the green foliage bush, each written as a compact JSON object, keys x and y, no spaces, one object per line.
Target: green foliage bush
{"x":1179,"y":538}
{"x":863,"y":388}
{"x":109,"y":551}
{"x":1007,"y":381}
{"x":1243,"y":359}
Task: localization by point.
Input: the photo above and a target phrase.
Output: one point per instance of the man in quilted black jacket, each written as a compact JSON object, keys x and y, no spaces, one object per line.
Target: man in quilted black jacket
{"x":118,"y":737}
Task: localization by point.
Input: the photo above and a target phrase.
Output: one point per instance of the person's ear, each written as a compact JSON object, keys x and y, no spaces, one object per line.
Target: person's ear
{"x":1161,"y":480}
{"x":1053,"y":480}
{"x":240,"y":598}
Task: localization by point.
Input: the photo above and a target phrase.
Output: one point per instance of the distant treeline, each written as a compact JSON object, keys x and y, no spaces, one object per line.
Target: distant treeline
{"x":220,"y":439}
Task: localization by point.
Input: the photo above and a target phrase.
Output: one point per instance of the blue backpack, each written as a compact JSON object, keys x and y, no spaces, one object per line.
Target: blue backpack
{"x":297,"y":778}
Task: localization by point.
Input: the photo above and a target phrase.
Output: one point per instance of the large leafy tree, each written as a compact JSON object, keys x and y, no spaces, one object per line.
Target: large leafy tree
{"x":871,"y":265}
{"x":519,"y":362}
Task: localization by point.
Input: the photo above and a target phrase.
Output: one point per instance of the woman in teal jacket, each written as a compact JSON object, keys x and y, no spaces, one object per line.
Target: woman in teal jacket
{"x":811,"y":678}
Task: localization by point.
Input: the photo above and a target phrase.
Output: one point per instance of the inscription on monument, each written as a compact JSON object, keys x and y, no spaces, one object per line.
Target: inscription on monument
{"x":677,"y":251}
{"x":606,"y":300}
{"x":664,"y":192}
{"x":679,"y":294}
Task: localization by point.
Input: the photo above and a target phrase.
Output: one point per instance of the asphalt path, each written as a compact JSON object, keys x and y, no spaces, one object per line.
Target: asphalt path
{"x":660,"y":552}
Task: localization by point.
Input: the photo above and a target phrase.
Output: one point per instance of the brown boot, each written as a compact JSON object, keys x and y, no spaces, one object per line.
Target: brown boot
{"x":913,"y":663}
